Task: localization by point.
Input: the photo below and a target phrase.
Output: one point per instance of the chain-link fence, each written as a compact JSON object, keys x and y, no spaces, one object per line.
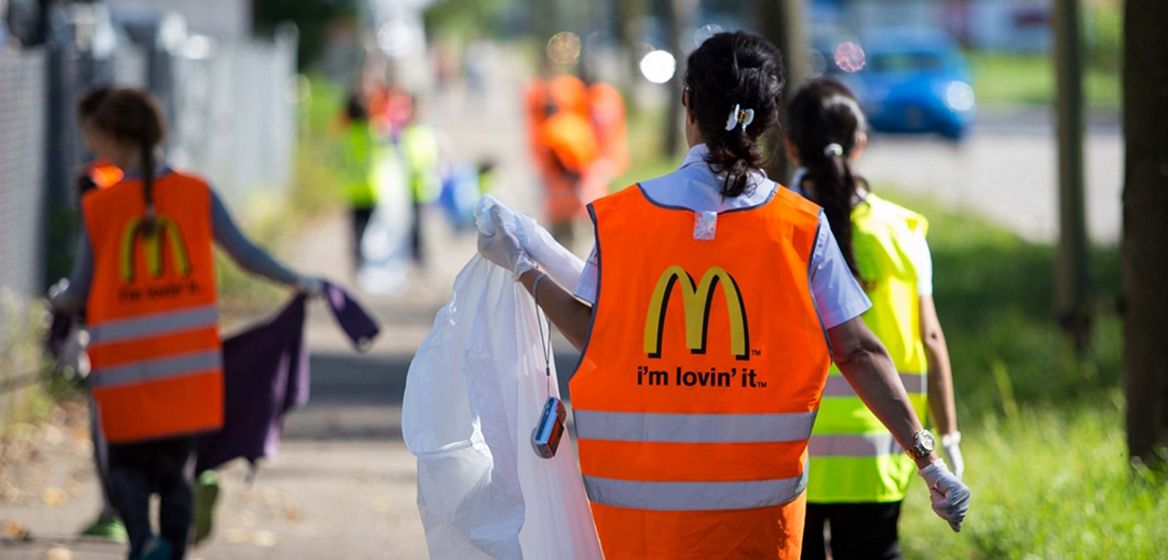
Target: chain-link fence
{"x":231,"y":119}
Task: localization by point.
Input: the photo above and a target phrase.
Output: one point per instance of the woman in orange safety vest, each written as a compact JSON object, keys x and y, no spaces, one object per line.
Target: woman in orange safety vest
{"x":145,"y":277}
{"x":714,"y":295}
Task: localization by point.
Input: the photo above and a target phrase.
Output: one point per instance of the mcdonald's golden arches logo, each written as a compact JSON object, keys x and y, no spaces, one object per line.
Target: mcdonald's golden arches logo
{"x":153,"y":247}
{"x":696,"y":298}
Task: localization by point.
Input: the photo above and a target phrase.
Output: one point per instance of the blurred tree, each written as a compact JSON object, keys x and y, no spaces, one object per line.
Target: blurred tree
{"x":468,"y":19}
{"x":1145,"y":229}
{"x":312,"y":18}
{"x":679,"y":21}
{"x":1072,"y":279}
{"x":782,"y":22}
{"x":626,"y":15}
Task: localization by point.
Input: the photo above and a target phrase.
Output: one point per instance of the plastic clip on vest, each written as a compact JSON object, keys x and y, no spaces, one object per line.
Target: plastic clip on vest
{"x":697,"y":391}
{"x":152,"y":310}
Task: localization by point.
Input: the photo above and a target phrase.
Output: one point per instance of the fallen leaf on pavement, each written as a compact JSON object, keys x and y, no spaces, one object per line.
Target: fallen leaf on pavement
{"x":16,"y":531}
{"x":292,"y":513}
{"x":54,"y":496}
{"x":58,"y":553}
{"x":265,"y":539}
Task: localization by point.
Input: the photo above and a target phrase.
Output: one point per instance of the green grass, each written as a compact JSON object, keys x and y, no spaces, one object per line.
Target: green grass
{"x":1024,"y":79}
{"x":1043,"y":430}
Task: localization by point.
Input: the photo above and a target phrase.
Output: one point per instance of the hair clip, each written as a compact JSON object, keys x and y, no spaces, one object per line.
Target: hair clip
{"x":833,"y":149}
{"x":739,"y":115}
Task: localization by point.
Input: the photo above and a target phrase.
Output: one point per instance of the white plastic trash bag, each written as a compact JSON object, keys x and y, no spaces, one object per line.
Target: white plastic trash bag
{"x":385,"y":247}
{"x":474,"y":391}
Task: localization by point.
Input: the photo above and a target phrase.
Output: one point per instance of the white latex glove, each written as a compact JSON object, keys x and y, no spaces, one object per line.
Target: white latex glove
{"x":555,"y":259}
{"x":310,"y":285}
{"x":499,"y":243}
{"x":951,"y":444}
{"x":949,"y":495}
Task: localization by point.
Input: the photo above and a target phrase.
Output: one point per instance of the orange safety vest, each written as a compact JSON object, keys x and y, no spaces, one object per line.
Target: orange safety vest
{"x":154,"y":336}
{"x":698,"y":388}
{"x":571,"y":146}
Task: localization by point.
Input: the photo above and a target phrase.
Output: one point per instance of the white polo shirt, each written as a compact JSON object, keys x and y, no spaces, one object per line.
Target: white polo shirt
{"x":838,"y":296}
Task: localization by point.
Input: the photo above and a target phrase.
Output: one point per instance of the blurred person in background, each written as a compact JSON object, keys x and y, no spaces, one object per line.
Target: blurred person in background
{"x":858,"y":473}
{"x":693,"y":428}
{"x":98,"y":175}
{"x":355,"y":162}
{"x":421,"y":156}
{"x":145,"y":277}
{"x":566,"y":148}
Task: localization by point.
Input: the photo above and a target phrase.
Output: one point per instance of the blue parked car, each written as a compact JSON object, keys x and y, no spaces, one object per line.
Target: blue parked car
{"x":914,"y":81}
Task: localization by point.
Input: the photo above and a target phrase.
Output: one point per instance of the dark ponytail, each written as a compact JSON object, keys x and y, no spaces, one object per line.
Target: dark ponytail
{"x":132,"y":116}
{"x":731,"y":70}
{"x":824,"y":125}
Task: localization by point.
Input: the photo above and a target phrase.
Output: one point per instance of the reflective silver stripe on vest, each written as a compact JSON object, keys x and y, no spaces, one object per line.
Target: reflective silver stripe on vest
{"x":693,"y":428}
{"x":157,"y":324}
{"x":871,"y":445}
{"x":838,"y":386}
{"x":694,"y":496}
{"x":156,"y":369}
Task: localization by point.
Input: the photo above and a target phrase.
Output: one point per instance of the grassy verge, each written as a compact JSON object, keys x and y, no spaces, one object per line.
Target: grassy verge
{"x":1044,"y":440}
{"x":1024,"y":79}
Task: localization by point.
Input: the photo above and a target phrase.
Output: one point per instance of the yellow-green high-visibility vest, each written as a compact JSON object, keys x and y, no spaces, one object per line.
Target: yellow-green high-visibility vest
{"x":853,"y":457}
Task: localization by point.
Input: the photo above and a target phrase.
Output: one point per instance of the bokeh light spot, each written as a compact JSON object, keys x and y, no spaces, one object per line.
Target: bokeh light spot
{"x":564,"y":48}
{"x":658,"y":66}
{"x":850,"y":57}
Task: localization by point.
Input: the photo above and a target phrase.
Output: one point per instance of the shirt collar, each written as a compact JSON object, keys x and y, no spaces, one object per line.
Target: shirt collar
{"x":696,"y":154}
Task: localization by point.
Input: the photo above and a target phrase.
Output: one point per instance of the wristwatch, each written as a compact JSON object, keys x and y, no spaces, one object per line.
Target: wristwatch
{"x":923,"y":443}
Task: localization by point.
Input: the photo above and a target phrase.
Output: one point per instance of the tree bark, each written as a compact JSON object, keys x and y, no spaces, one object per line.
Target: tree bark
{"x":679,"y":17}
{"x":782,"y":23}
{"x":1145,"y":229}
{"x":1071,"y":280}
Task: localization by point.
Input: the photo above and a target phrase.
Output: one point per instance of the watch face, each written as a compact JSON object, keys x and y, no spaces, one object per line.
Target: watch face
{"x":927,"y":441}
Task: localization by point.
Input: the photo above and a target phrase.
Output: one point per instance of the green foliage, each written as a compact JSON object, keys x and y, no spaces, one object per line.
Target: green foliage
{"x":463,"y":20}
{"x":312,"y":19}
{"x":1105,"y":37}
{"x":1028,"y":79}
{"x":1043,"y":431}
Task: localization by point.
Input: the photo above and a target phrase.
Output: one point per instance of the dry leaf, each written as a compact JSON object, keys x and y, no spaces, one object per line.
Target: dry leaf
{"x":58,"y":553}
{"x":292,"y":513}
{"x":16,"y":531}
{"x":266,"y":539}
{"x":54,"y":496}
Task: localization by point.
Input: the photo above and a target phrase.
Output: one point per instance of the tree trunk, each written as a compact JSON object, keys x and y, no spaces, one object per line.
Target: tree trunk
{"x":626,"y":14}
{"x":679,"y":19}
{"x":1071,"y":280}
{"x":782,"y":23}
{"x":1145,"y":229}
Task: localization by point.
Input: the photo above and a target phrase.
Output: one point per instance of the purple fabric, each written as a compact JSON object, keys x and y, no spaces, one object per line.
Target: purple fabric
{"x":360,"y":327}
{"x":266,"y":375}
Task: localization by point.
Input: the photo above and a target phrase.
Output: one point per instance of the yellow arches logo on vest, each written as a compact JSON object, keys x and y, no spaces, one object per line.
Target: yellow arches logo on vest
{"x":697,"y":299}
{"x":152,"y":246}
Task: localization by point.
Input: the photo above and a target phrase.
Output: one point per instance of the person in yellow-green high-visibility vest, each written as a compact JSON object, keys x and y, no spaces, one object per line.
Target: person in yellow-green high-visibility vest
{"x":858,"y":472}
{"x":420,"y":151}
{"x":355,"y":164}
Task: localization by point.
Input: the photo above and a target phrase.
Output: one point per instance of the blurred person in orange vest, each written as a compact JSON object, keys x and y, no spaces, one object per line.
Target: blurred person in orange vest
{"x":569,"y":149}
{"x":693,"y":423}
{"x":606,"y":110}
{"x":145,"y":277}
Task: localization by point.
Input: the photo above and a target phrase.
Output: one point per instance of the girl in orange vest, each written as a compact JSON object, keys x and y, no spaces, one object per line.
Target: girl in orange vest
{"x":145,"y":277}
{"x":704,"y":317}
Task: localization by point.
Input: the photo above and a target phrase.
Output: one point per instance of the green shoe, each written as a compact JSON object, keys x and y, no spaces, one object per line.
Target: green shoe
{"x":206,"y":494}
{"x":107,"y":527}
